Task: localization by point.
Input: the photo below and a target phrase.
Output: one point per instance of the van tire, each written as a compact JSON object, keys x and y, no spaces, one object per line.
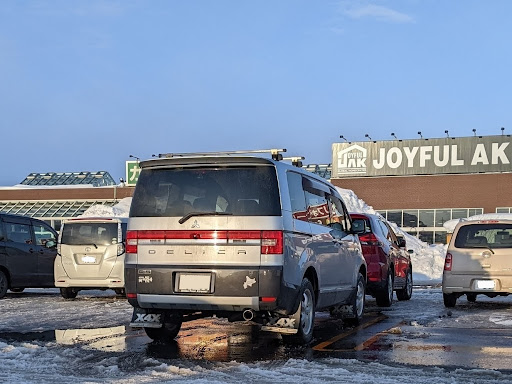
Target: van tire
{"x":406,"y":292}
{"x":358,"y":303}
{"x":471,"y":297}
{"x":120,"y":293}
{"x":385,"y":296}
{"x":306,"y":309}
{"x":169,"y":330}
{"x":68,"y":293}
{"x":450,"y":299}
{"x":4,"y":283}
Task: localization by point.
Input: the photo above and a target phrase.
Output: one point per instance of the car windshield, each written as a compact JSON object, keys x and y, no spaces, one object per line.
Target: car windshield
{"x":89,"y":233}
{"x":235,"y":190}
{"x":488,"y":235}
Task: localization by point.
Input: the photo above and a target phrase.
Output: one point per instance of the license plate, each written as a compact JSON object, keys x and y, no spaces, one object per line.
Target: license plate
{"x":485,"y":284}
{"x":88,"y":259}
{"x":194,"y":282}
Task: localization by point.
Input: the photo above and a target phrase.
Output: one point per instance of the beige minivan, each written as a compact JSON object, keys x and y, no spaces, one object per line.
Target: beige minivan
{"x":478,"y":261}
{"x":90,"y":255}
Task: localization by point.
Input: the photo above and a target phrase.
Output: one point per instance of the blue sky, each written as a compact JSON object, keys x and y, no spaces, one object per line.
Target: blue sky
{"x":84,"y":84}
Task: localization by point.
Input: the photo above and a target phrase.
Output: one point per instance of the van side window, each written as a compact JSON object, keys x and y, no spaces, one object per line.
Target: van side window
{"x":18,"y":233}
{"x":339,"y":216}
{"x":316,"y":203}
{"x":297,"y":198}
{"x":44,"y":235}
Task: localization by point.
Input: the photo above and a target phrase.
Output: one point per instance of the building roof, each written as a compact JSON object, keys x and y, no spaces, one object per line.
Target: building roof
{"x":96,"y":179}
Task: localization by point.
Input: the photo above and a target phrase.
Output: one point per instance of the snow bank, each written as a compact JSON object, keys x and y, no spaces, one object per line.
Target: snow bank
{"x":120,"y":209}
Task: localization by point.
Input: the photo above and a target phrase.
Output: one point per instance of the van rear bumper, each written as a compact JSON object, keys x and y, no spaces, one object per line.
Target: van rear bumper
{"x":199,"y":303}
{"x":469,"y":283}
{"x":84,"y":283}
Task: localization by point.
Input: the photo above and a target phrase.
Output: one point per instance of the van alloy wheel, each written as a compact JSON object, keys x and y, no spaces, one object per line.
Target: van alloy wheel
{"x":306,"y":309}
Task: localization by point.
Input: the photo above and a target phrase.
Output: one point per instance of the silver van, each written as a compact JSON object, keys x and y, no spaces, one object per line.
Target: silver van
{"x":90,"y":255}
{"x":241,"y":237}
{"x":478,"y":261}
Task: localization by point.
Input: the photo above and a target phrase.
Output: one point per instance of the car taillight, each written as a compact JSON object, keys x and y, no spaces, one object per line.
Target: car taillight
{"x":369,"y":239}
{"x":271,"y":241}
{"x":448,"y":262}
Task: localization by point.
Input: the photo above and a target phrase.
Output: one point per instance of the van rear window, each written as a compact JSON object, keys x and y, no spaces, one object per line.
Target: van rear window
{"x":494,"y":235}
{"x":241,"y":191}
{"x":89,"y":233}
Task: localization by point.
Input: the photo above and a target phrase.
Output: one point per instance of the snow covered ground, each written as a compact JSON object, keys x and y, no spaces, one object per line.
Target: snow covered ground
{"x":46,"y":339}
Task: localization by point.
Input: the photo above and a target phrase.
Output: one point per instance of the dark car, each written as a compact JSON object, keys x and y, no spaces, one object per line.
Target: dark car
{"x":389,"y":263}
{"x":27,"y":253}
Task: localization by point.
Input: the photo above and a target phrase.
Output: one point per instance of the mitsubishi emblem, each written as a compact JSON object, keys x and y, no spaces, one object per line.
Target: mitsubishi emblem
{"x":87,"y":249}
{"x":195,"y":224}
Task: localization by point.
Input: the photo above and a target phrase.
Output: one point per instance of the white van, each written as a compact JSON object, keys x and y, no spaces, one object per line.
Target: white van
{"x":241,"y":237}
{"x":90,"y":255}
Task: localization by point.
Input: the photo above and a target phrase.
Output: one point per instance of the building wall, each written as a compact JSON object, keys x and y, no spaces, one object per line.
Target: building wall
{"x":486,"y":191}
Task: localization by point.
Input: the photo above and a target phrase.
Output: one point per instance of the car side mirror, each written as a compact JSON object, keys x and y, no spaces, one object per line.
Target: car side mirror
{"x":50,"y":244}
{"x":401,"y":242}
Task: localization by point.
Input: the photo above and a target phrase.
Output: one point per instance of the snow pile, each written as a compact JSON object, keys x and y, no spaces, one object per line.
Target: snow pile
{"x":427,"y":259}
{"x":451,"y":224}
{"x":121,"y":209}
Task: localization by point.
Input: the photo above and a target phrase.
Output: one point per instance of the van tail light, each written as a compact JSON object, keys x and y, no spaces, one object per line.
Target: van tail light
{"x":448,"y":262}
{"x":131,"y":242}
{"x":369,"y":239}
{"x":271,"y":241}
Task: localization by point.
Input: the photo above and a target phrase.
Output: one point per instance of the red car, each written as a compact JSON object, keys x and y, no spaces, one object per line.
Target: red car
{"x":389,"y":263}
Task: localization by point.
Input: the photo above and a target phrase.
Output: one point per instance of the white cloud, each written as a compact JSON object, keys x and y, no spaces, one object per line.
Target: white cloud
{"x":379,"y":13}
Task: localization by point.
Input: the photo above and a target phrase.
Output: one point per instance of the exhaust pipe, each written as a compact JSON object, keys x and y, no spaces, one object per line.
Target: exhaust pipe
{"x":248,"y":314}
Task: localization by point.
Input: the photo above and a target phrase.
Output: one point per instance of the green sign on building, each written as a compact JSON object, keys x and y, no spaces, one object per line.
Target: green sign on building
{"x":132,"y":172}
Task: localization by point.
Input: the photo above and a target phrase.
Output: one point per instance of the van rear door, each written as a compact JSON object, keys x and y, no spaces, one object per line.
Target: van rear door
{"x":89,"y":249}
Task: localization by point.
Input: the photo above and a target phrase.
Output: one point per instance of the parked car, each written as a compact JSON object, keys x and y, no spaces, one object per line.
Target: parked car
{"x":389,"y":266}
{"x":242,"y":237}
{"x":27,"y":252}
{"x":90,"y":255}
{"x":478,"y":261}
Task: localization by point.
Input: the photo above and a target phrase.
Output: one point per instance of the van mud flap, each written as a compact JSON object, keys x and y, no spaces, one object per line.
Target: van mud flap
{"x":288,"y":325}
{"x":143,"y":318}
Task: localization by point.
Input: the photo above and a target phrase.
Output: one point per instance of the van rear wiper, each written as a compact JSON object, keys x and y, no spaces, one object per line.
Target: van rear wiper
{"x":212,"y":213}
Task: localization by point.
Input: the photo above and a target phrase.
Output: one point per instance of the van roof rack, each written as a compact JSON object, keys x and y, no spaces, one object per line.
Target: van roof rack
{"x":276,"y":153}
{"x":296,"y":160}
